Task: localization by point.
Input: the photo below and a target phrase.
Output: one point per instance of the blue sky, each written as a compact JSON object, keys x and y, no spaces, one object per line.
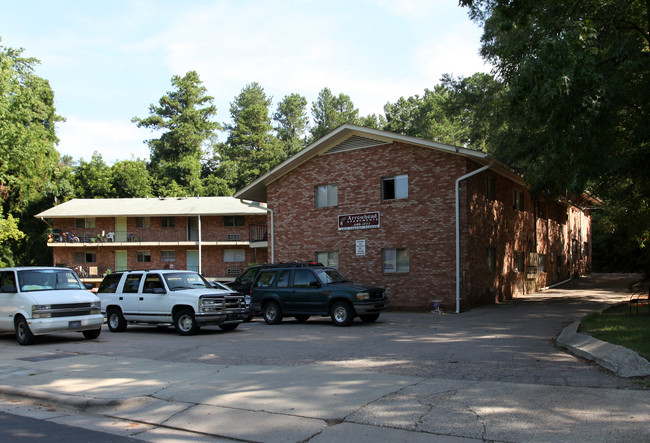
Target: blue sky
{"x":108,"y":61}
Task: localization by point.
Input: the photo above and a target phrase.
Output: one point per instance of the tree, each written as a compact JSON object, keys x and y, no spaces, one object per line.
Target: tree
{"x":330,"y":112}
{"x":578,"y":101}
{"x":130,"y":179}
{"x":293,"y":123}
{"x":251,"y":148}
{"x":93,"y":179}
{"x":185,"y":117}
{"x":29,"y":161}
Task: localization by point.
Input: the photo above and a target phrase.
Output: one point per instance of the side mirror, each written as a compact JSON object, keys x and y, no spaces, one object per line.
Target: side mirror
{"x":159,"y":291}
{"x":314,"y":284}
{"x":88,"y":285}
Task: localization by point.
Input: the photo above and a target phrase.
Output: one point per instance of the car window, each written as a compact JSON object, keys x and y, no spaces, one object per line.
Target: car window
{"x":109,"y":284}
{"x":8,"y":281}
{"x":283,"y":279}
{"x":248,"y":276}
{"x":303,"y":279}
{"x":47,"y":280}
{"x":265,"y":279}
{"x":330,"y":276}
{"x":185,"y":280}
{"x":152,"y":282}
{"x":132,"y":283}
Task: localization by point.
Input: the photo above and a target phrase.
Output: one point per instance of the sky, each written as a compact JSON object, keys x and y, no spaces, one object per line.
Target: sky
{"x":107,"y":62}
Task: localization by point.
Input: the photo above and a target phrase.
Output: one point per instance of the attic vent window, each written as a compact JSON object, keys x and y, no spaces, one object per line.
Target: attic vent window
{"x":234,"y":237}
{"x":355,"y":142}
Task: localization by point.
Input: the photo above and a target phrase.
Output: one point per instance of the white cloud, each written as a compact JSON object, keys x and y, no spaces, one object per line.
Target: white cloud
{"x":80,"y":138}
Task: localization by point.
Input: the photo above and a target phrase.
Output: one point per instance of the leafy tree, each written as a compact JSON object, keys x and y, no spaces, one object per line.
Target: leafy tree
{"x":184,"y":116}
{"x":93,"y":179}
{"x":28,"y":159}
{"x":330,"y":111}
{"x":251,"y":148}
{"x":293,"y":123}
{"x":578,"y":77}
{"x":130,"y":179}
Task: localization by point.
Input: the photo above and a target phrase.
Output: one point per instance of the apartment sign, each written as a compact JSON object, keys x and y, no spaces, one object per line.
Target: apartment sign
{"x":366,"y":220}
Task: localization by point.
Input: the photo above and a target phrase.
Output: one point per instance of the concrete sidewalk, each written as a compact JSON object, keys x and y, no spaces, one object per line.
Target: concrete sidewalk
{"x":316,"y":404}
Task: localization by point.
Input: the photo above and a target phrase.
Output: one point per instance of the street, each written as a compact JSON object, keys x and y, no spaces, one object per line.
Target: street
{"x":489,"y":352}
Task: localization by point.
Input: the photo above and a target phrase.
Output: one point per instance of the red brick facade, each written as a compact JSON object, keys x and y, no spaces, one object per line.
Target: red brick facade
{"x":424,"y":224}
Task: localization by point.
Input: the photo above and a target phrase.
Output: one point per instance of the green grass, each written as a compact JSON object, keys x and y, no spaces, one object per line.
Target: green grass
{"x":616,"y":325}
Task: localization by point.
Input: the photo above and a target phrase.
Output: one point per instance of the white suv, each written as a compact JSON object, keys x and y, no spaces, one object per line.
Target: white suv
{"x":164,"y":297}
{"x":44,"y":300}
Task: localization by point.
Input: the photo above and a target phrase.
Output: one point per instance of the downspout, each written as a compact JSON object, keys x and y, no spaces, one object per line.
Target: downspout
{"x":200,"y":249}
{"x":458,"y":180}
{"x":269,"y":210}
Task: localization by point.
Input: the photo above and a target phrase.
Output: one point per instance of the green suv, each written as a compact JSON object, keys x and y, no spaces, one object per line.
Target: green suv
{"x":315,"y":290}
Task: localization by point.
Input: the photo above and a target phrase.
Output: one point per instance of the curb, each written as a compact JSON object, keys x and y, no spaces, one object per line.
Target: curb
{"x":621,"y":361}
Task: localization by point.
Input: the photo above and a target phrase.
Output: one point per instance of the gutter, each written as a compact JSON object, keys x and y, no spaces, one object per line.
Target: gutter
{"x":269,"y":210}
{"x":457,"y":194}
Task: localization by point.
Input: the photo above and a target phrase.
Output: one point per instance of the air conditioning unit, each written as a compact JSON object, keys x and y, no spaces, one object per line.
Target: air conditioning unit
{"x":234,"y":237}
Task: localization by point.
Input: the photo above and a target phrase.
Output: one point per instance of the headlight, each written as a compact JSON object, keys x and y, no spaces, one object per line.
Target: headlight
{"x":41,"y":311}
{"x":96,"y":307}
{"x":363,"y":296}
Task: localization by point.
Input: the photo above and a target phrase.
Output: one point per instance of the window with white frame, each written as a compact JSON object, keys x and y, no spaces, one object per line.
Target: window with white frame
{"x":326,"y":196}
{"x":395,"y":260}
{"x":328,"y":258}
{"x":143,"y":256}
{"x":234,"y":220}
{"x":541,"y":263}
{"x":234,"y":255}
{"x":518,"y":200}
{"x":490,"y":188}
{"x":84,"y":257}
{"x":84,"y":223}
{"x":167,"y":222}
{"x":396,"y":187}
{"x":168,"y":256}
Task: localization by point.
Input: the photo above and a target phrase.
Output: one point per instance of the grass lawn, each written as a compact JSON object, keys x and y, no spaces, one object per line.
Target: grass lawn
{"x":616,"y":325}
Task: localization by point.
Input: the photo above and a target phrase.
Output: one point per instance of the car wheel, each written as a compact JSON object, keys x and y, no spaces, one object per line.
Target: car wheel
{"x":23,"y":333}
{"x":229,"y":326}
{"x":369,"y":318}
{"x":92,"y":334}
{"x":302,"y":318}
{"x":272,"y":313}
{"x":116,"y":321}
{"x":185,"y":322}
{"x":342,"y":313}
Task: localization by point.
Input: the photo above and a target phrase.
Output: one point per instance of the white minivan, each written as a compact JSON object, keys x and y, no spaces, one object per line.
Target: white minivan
{"x":43,"y":300}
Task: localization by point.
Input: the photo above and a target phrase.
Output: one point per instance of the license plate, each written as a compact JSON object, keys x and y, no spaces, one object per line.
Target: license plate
{"x":74,"y":324}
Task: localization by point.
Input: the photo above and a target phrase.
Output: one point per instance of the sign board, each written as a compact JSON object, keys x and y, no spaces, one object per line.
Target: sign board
{"x":366,"y":220}
{"x":361,"y":247}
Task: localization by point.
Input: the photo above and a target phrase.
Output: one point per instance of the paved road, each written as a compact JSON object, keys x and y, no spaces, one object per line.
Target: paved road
{"x":493,"y":373}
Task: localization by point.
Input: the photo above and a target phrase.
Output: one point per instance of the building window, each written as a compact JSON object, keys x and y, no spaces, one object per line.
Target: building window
{"x":143,"y":256}
{"x":396,"y":187}
{"x":167,"y":222}
{"x":490,"y":188}
{"x":541,"y":263}
{"x":491,"y":257}
{"x":234,"y":220}
{"x":84,"y":257}
{"x":84,"y":223}
{"x":541,"y":210}
{"x":517,"y":200}
{"x":326,"y":196}
{"x":586,"y":249}
{"x":234,"y":255}
{"x":395,"y":260}
{"x":328,"y":258}
{"x":142,"y":222}
{"x":518,"y":264}
{"x":168,"y":256}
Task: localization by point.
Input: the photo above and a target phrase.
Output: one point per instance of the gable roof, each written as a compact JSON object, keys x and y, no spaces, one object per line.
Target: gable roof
{"x":151,"y":207}
{"x":348,"y":137}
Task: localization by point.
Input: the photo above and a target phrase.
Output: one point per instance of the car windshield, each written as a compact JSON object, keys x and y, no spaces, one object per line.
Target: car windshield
{"x":48,"y":280}
{"x":330,"y":276}
{"x":185,"y":280}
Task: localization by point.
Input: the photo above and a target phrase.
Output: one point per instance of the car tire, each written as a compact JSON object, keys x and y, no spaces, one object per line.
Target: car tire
{"x":116,"y":321}
{"x":185,"y":322}
{"x":342,"y":313}
{"x":92,"y":334}
{"x":24,"y":335}
{"x":369,"y":318}
{"x":272,"y":313}
{"x":229,"y":326}
{"x":302,"y":318}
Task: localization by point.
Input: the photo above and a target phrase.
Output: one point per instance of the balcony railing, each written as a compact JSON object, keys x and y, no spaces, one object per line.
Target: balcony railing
{"x":256,"y":233}
{"x":226,"y":271}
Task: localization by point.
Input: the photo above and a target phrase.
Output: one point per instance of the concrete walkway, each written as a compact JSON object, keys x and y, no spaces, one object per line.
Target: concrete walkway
{"x":173,"y":401}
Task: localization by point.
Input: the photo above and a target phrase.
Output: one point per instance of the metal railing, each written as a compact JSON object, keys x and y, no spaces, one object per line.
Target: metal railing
{"x":256,"y":233}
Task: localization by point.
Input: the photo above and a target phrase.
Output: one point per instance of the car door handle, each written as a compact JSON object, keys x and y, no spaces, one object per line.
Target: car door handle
{"x":141,"y":298}
{"x":121,"y":298}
